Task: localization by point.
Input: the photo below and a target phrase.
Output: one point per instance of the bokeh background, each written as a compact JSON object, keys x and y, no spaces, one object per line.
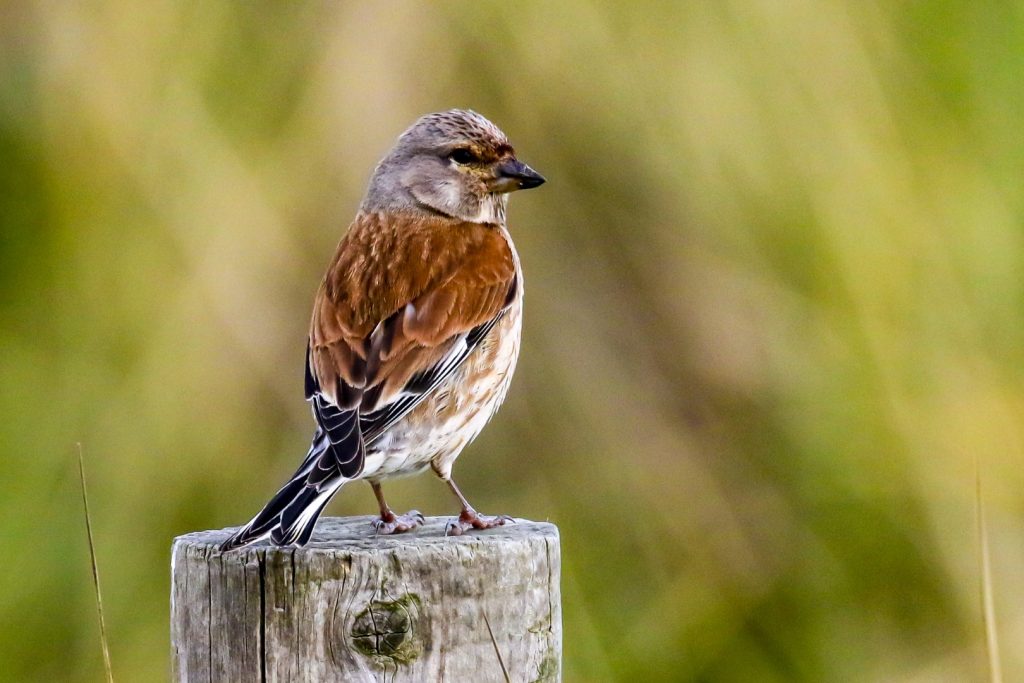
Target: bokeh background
{"x":775,"y":312}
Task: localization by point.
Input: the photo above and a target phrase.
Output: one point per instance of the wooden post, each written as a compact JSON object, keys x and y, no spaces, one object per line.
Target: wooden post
{"x":352,"y":606}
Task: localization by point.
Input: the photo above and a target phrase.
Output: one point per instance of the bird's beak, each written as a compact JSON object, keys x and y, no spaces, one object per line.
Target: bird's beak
{"x":512,"y":174}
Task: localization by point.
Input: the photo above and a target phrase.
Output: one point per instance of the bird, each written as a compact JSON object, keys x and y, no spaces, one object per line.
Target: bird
{"x":415,"y":330}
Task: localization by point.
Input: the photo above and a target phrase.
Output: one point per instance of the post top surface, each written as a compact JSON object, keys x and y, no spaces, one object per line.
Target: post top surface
{"x":347,"y":534}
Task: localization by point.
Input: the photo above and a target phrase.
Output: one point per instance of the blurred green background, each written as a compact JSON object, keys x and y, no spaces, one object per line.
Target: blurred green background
{"x":775,"y":312}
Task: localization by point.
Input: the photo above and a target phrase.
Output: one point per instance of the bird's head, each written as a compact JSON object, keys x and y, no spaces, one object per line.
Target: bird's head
{"x":456,"y":163}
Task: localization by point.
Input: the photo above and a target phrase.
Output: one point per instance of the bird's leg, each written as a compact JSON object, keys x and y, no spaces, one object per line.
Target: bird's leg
{"x":389,"y":522}
{"x":470,"y":518}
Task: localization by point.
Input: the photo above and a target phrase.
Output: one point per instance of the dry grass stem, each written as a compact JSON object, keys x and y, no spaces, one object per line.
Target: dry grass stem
{"x":95,"y":569}
{"x":497,"y":651}
{"x":988,"y":607}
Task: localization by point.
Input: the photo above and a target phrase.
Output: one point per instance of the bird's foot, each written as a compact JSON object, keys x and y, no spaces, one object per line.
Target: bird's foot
{"x":471,"y":519}
{"x":396,"y":524}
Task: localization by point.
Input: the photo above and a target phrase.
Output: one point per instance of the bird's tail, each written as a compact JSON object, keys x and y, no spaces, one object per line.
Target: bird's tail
{"x":289,"y":517}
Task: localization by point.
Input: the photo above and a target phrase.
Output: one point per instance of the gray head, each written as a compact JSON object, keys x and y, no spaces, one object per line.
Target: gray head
{"x":455,"y":163}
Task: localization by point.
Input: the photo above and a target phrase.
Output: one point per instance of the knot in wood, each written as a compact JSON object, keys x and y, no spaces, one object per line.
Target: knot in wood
{"x":386,"y":629}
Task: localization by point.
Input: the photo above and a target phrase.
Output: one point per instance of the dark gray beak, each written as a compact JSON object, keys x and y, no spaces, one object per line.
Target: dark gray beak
{"x":515,"y":175}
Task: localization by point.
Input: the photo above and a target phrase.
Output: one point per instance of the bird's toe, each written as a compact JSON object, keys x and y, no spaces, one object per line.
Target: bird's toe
{"x":398,"y":524}
{"x":470,"y":519}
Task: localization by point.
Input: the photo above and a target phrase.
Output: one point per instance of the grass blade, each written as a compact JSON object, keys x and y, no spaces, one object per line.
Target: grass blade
{"x":497,"y":651}
{"x":95,"y":569}
{"x":988,"y":607}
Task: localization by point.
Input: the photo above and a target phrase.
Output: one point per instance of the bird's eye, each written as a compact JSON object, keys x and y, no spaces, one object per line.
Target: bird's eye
{"x":463,"y":155}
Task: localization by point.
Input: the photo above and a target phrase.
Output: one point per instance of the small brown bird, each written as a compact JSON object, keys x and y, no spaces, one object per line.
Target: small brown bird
{"x":416,"y":325}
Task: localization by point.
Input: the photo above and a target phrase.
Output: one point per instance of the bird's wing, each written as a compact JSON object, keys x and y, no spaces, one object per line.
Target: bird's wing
{"x":379,"y":419}
{"x":404,"y":302}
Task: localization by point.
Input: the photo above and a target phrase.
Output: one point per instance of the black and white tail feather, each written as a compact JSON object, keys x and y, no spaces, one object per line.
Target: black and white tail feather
{"x":335,"y":456}
{"x":338,"y":450}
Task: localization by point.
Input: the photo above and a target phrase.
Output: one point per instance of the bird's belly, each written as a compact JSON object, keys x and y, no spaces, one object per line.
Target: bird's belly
{"x":437,"y":430}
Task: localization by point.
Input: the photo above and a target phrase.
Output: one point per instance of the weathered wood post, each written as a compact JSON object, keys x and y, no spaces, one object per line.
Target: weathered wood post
{"x":352,"y":606}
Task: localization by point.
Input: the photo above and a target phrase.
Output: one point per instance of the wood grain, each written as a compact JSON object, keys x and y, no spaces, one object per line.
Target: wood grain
{"x":352,"y":606}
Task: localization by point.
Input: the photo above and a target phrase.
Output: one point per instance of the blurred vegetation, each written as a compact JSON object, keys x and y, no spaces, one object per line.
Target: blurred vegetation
{"x":774,"y":311}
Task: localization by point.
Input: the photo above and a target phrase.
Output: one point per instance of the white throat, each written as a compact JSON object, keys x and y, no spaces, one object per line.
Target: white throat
{"x":492,"y":209}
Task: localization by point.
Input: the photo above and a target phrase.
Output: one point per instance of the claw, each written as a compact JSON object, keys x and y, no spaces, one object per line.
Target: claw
{"x":471,"y":519}
{"x":398,"y":523}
